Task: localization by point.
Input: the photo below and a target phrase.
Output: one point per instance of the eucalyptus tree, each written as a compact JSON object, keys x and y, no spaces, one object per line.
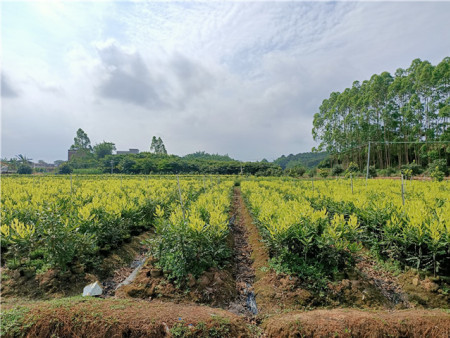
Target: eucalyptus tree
{"x":396,"y":113}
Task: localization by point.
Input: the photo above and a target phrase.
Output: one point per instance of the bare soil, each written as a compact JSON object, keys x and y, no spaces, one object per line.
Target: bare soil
{"x":215,"y":287}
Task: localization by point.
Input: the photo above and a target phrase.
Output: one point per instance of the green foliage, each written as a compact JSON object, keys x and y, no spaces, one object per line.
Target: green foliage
{"x":352,"y":168}
{"x":83,"y":159}
{"x":81,"y":141}
{"x":87,"y":171}
{"x":24,"y":169}
{"x":309,"y":160}
{"x":103,"y":149}
{"x":149,"y":163}
{"x":372,"y":171}
{"x":437,"y":175}
{"x":181,"y":250}
{"x":201,"y":155}
{"x":64,"y":242}
{"x":325,"y":163}
{"x":67,"y":226}
{"x":295,"y":171}
{"x":407,"y":173}
{"x":294,"y":164}
{"x":323,"y":173}
{"x":12,"y":322}
{"x":414,"y":167}
{"x":312,"y":172}
{"x":337,"y":170}
{"x":157,"y":146}
{"x":391,"y":112}
{"x":388,"y":172}
{"x":65,"y":168}
{"x":441,"y":166}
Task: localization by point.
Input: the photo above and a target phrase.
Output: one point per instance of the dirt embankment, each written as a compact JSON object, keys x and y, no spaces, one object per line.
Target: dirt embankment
{"x":355,"y":323}
{"x":95,"y":317}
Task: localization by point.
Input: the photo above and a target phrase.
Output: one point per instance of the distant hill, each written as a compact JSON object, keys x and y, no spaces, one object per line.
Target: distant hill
{"x":308,"y":160}
{"x":201,"y":155}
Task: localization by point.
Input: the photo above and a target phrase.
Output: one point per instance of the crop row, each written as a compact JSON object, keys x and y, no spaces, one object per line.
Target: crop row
{"x":302,"y":240}
{"x":193,"y":238}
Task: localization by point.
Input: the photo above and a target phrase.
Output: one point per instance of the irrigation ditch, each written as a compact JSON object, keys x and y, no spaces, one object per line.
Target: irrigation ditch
{"x":245,"y":299}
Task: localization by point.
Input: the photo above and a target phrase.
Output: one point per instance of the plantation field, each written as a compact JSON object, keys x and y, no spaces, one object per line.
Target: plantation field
{"x":55,"y":222}
{"x":255,"y":247}
{"x":303,"y":220}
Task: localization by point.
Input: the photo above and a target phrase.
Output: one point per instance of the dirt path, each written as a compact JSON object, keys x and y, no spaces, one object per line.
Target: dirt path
{"x":244,"y":272}
{"x":254,"y":278}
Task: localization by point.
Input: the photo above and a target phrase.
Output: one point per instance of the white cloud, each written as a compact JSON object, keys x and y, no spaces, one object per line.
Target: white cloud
{"x":238,"y":78}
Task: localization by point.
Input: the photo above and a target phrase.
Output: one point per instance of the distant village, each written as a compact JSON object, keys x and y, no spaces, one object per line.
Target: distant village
{"x":10,"y":167}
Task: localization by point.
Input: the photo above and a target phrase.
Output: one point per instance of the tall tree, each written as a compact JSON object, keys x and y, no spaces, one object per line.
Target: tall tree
{"x":157,"y":146}
{"x":395,"y":113}
{"x":81,"y":141}
{"x":23,"y":159}
{"x":103,"y":149}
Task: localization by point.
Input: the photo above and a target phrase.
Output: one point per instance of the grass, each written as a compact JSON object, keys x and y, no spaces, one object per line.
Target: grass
{"x":12,"y":321}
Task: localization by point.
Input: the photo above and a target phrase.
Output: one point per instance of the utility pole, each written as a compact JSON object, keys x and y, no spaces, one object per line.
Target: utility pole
{"x":112,"y":163}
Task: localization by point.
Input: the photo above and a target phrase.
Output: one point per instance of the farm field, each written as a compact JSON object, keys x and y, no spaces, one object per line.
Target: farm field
{"x":224,"y":256}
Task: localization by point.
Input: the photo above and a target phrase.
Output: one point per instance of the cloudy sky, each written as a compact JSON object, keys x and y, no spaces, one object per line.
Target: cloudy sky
{"x":225,"y":77}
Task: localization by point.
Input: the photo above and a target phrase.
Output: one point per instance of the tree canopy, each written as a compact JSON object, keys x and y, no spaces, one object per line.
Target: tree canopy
{"x":103,"y":149}
{"x":402,"y":115}
{"x":157,"y":146}
{"x":201,"y":155}
{"x":81,"y":141}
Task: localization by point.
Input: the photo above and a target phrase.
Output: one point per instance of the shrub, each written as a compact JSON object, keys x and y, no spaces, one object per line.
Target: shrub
{"x":323,"y":173}
{"x":24,"y":169}
{"x":352,"y":168}
{"x":414,"y":167}
{"x":372,"y":171}
{"x":65,"y":169}
{"x":437,"y":175}
{"x":296,"y":171}
{"x":441,"y":165}
{"x":337,"y":170}
{"x":312,"y":172}
{"x":407,"y":173}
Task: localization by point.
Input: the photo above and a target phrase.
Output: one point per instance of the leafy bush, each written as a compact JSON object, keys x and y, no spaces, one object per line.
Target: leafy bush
{"x":372,"y":171}
{"x":337,"y":170}
{"x":24,"y":169}
{"x":414,"y":167}
{"x":407,"y":173}
{"x":437,"y":175}
{"x":295,"y":171}
{"x":352,"y":168}
{"x":65,"y":168}
{"x":439,"y":165}
{"x":323,"y":173}
{"x":312,"y":172}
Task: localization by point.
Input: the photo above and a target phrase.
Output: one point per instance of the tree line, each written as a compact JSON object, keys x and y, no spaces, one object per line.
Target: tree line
{"x":404,"y":116}
{"x":157,"y":161}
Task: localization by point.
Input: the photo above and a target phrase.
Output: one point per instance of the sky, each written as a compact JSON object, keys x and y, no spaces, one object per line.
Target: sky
{"x":238,"y":78}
